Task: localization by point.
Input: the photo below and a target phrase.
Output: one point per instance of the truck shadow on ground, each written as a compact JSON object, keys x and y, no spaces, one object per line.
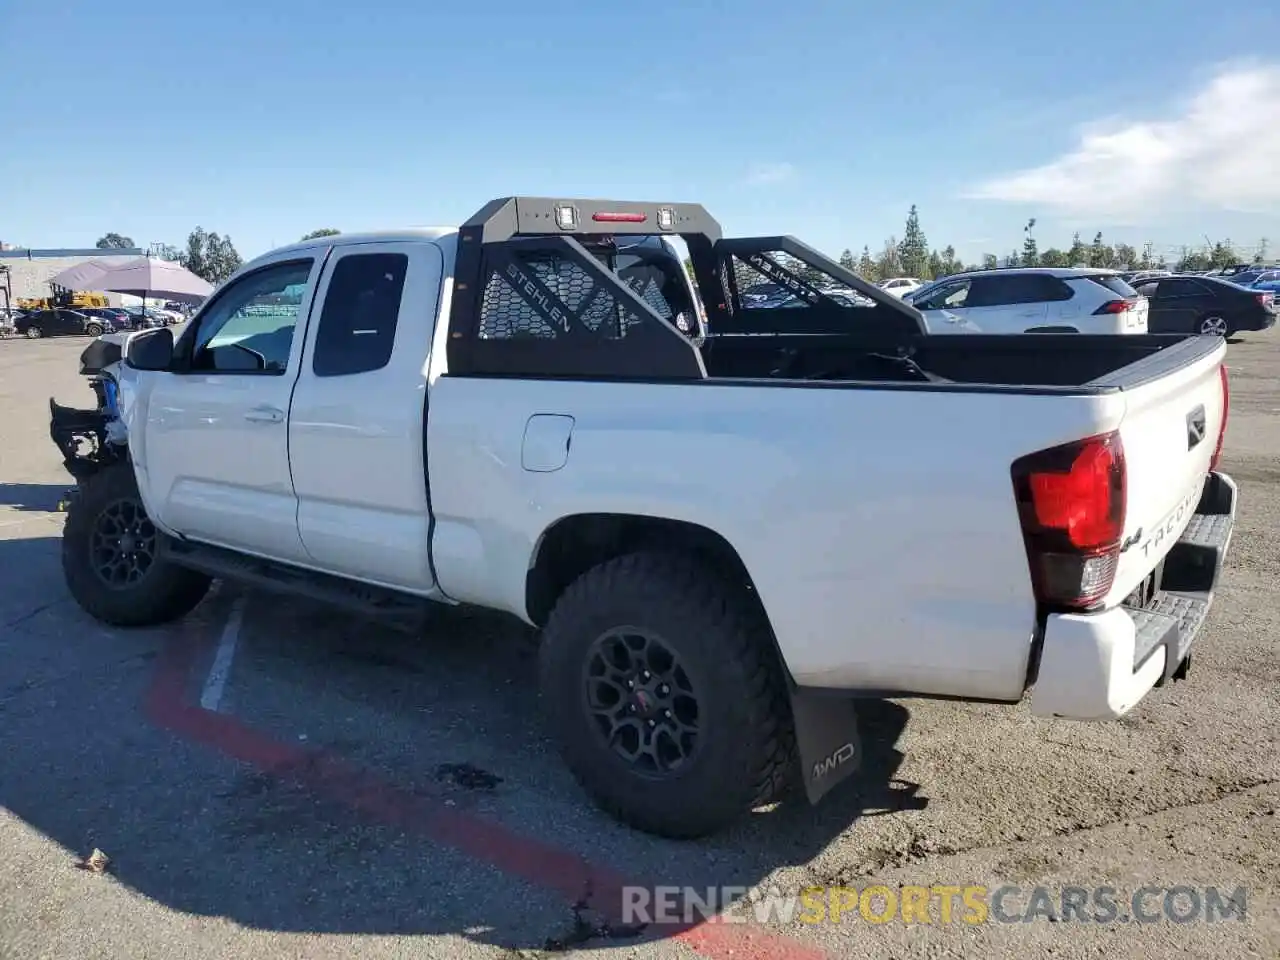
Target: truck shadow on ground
{"x":40,"y":497}
{"x":452,"y":717}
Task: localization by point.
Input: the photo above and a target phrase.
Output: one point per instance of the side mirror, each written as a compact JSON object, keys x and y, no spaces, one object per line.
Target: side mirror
{"x":150,"y":350}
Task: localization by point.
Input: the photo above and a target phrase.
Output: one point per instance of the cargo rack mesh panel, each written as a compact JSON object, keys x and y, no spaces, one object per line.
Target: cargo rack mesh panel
{"x":758,"y":289}
{"x":506,"y":314}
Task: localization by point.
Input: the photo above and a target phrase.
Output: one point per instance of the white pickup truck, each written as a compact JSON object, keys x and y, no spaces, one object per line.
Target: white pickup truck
{"x":727,"y":533}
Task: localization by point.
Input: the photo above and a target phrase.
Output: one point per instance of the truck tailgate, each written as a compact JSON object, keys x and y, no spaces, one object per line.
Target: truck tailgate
{"x":1174,"y":412}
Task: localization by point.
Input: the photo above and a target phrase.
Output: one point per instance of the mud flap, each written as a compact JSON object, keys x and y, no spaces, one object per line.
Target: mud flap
{"x":826,"y":738}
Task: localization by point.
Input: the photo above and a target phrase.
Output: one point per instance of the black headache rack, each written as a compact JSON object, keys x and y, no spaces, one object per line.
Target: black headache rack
{"x":532,"y":298}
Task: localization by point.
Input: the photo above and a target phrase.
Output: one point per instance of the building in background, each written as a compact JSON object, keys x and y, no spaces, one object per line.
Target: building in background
{"x":30,"y":270}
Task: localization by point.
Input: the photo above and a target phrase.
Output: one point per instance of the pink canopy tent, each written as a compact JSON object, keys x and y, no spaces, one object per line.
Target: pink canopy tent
{"x":148,"y":277}
{"x":82,"y":276}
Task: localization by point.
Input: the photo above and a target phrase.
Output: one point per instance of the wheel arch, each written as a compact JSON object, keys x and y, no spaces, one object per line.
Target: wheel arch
{"x":574,"y":544}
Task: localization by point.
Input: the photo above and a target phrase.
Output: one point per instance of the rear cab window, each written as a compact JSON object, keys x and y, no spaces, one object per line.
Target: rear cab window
{"x":658,"y":278}
{"x":357,"y":327}
{"x":1116,"y":284}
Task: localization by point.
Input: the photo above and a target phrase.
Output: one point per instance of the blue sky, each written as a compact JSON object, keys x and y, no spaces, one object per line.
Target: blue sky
{"x":271,"y":118}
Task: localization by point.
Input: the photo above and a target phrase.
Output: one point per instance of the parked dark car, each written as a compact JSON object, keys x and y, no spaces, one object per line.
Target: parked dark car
{"x":1246,"y":278}
{"x":114,"y":319}
{"x":144,"y":319}
{"x":1134,"y":277}
{"x":59,"y":322}
{"x":1184,"y":303}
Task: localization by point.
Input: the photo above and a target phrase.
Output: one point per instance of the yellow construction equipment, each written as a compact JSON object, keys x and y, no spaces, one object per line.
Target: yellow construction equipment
{"x":62,"y":297}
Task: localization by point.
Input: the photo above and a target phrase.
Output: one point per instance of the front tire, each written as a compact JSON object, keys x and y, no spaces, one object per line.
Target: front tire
{"x":112,"y":561}
{"x":34,"y":332}
{"x":93,"y":330}
{"x":662,"y":685}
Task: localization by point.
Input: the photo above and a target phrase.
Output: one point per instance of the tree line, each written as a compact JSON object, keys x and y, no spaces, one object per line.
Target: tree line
{"x":214,"y":257}
{"x":206,"y":254}
{"x":913,"y":257}
{"x":209,"y":255}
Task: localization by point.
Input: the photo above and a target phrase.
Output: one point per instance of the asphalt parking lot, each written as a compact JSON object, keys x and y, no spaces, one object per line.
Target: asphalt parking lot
{"x":273,"y":779}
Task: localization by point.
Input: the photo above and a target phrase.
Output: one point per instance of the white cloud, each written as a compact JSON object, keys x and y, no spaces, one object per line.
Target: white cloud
{"x":764,"y":174}
{"x":1222,"y":152}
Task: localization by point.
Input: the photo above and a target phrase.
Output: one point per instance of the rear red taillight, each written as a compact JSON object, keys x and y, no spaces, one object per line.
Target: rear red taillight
{"x":1114,"y":306}
{"x":1222,"y":428}
{"x":1266,"y":300}
{"x":1071,"y":502}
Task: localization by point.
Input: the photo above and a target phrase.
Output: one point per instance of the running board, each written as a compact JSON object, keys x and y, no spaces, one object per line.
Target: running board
{"x":282,"y":578}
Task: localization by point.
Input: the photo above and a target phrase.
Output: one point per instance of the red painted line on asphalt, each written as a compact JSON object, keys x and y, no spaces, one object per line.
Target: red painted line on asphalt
{"x":537,"y":863}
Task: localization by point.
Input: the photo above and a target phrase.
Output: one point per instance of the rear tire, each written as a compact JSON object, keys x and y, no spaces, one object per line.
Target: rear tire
{"x":34,"y":332}
{"x":111,"y":557}
{"x":1214,"y":326}
{"x":727,"y":680}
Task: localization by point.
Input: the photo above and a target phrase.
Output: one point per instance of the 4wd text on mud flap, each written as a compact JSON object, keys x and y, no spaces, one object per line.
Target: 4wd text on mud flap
{"x":554,"y":313}
{"x":841,"y":756}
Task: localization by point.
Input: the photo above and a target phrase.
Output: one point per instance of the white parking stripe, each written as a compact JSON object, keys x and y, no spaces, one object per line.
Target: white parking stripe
{"x":214,"y":684}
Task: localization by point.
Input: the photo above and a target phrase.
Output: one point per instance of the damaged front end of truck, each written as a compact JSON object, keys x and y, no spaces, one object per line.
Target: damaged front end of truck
{"x":91,"y":439}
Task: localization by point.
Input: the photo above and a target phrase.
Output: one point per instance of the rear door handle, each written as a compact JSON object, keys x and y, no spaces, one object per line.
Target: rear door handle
{"x":265,"y":415}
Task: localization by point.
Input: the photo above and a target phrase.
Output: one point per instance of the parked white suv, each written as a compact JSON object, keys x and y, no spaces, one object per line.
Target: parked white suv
{"x":900,"y":285}
{"x":1033,"y":300}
